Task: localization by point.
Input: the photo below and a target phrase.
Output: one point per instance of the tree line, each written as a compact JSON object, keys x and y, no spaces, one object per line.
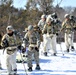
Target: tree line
{"x":21,"y":18}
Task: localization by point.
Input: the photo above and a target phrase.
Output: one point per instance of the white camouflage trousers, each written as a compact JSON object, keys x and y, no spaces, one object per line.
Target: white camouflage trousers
{"x":32,"y":52}
{"x":51,"y":43}
{"x":11,"y":63}
{"x":69,"y":39}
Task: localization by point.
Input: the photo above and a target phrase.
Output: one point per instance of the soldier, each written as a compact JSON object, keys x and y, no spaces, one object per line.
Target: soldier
{"x":67,"y":27}
{"x":51,"y":30}
{"x":33,"y":41}
{"x":10,"y":41}
{"x":41,"y":24}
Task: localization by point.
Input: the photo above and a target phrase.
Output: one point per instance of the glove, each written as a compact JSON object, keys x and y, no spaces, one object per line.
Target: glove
{"x":5,"y":43}
{"x":22,"y":49}
{"x":0,"y":47}
{"x":74,"y":28}
{"x":57,"y":34}
{"x":19,"y":47}
{"x":36,"y":49}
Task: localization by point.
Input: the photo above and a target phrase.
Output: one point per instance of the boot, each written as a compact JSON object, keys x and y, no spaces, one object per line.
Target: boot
{"x":1,"y":68}
{"x":9,"y":74}
{"x":37,"y":67}
{"x":45,"y":53}
{"x":72,"y":48}
{"x":67,"y":50}
{"x":30,"y":69}
{"x":54,"y":54}
{"x":15,"y":74}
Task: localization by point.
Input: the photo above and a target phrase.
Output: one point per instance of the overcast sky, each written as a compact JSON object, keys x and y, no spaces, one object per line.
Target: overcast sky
{"x":21,"y":3}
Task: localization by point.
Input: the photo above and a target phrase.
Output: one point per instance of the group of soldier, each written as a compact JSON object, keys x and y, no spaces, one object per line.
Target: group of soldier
{"x":54,"y":27}
{"x":47,"y":31}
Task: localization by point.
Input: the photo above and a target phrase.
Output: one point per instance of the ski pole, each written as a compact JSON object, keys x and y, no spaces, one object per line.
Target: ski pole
{"x":23,"y":64}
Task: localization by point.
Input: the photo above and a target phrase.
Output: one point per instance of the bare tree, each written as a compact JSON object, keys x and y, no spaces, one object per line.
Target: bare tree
{"x":43,"y":5}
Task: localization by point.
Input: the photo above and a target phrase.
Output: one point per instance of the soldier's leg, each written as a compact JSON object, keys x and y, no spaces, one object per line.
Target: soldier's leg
{"x":53,"y":43}
{"x":0,"y":63}
{"x":13,"y":63}
{"x":29,"y":59}
{"x":8,"y":64}
{"x":71,"y":41}
{"x":0,"y":66}
{"x":45,"y":44}
{"x":36,"y":58}
{"x":48,"y":44}
{"x":67,"y":42}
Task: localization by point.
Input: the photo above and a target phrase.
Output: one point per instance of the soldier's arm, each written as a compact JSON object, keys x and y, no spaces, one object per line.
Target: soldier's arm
{"x":39,"y":23}
{"x":44,"y":31}
{"x":38,"y":39}
{"x":75,"y":26}
{"x":4,"y":42}
{"x":21,"y":44}
{"x":26,"y":38}
{"x":59,"y":25}
{"x":63,"y":26}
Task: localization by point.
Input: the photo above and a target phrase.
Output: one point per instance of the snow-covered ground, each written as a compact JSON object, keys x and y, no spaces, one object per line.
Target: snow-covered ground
{"x":50,"y":65}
